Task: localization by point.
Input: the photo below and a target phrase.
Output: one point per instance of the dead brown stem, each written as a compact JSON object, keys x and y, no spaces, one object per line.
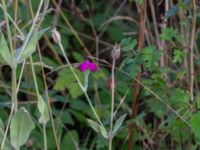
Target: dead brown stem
{"x":138,"y":77}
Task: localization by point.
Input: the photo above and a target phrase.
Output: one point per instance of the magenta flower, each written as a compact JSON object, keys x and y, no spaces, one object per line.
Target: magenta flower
{"x":87,"y":65}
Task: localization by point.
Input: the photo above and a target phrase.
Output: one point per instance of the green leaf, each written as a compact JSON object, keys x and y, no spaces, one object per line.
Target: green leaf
{"x":77,"y":56}
{"x":178,"y":56}
{"x":20,"y":128}
{"x":179,"y":97}
{"x":22,"y":54}
{"x":94,"y":125}
{"x":101,"y":142}
{"x":157,"y":107}
{"x":70,"y":141}
{"x":5,"y":55}
{"x":43,"y":108}
{"x":168,"y":34}
{"x":177,"y":128}
{"x":98,"y":128}
{"x":131,"y":66}
{"x":115,"y":33}
{"x":128,"y":44}
{"x":103,"y":132}
{"x":66,"y":80}
{"x":7,"y":144}
{"x":195,"y":122}
{"x":30,"y":47}
{"x":150,"y":57}
{"x":118,"y":123}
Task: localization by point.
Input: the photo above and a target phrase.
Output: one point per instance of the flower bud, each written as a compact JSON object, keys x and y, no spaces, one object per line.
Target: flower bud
{"x":115,"y":53}
{"x":56,"y":35}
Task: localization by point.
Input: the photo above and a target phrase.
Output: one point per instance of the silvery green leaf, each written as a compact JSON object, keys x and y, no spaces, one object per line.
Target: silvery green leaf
{"x":103,"y":132}
{"x":43,"y":109}
{"x":20,"y":128}
{"x":94,"y":125}
{"x":118,"y":123}
{"x":22,"y":54}
{"x":98,"y":128}
{"x":5,"y":55}
{"x":30,"y":47}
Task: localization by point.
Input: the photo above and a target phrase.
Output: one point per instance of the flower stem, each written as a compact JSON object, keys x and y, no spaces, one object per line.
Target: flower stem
{"x":112,"y":104}
{"x":45,"y":136}
{"x":80,"y":84}
{"x":14,"y":89}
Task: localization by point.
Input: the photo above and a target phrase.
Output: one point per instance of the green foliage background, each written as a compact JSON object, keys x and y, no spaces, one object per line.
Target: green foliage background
{"x":166,"y":119}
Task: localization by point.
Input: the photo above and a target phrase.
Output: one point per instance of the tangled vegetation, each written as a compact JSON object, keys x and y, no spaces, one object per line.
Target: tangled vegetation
{"x":98,"y":75}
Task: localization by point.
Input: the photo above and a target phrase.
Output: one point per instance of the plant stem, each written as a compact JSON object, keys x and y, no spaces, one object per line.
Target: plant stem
{"x":14,"y":89}
{"x":34,"y":77}
{"x":14,"y":79}
{"x":66,"y":20}
{"x":112,"y":104}
{"x":137,"y":86}
{"x":38,"y":94}
{"x":45,"y":136}
{"x":46,"y":88}
{"x":4,"y":7}
{"x":192,"y":72}
{"x":31,"y":30}
{"x":7,"y":127}
{"x":80,"y":84}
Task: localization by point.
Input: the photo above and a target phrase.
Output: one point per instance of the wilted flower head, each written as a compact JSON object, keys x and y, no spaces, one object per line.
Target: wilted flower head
{"x":56,"y":35}
{"x":115,"y":53}
{"x":87,"y":65}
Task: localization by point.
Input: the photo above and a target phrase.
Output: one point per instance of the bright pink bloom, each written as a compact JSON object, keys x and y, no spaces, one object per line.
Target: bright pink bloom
{"x":87,"y":65}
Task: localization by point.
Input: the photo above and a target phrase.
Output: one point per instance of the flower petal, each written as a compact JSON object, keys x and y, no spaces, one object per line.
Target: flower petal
{"x":93,"y":67}
{"x":84,"y":66}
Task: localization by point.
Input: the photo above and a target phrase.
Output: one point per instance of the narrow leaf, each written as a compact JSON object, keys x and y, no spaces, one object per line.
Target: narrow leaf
{"x":118,"y":123}
{"x":43,"y":109}
{"x":5,"y":56}
{"x":94,"y":125}
{"x":20,"y":128}
{"x":22,"y":54}
{"x":98,"y":128}
{"x":103,"y":131}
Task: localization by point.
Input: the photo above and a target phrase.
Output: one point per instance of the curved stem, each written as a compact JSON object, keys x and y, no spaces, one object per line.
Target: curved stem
{"x":79,"y":82}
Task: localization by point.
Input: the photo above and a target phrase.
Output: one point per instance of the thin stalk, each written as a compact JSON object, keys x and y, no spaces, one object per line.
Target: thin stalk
{"x":38,"y":93}
{"x":46,"y":89}
{"x":66,"y":20}
{"x":7,"y":127}
{"x":7,"y":27}
{"x":14,"y":89}
{"x":49,"y":104}
{"x":20,"y":76}
{"x":194,"y":20}
{"x":34,"y":77}
{"x":137,"y":87}
{"x":79,"y":82}
{"x":45,"y":136}
{"x":31,"y":30}
{"x":14,"y":79}
{"x":112,"y":104}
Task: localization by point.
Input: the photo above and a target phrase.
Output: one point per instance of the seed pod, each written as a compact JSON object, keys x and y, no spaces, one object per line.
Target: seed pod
{"x":56,"y":35}
{"x":115,"y":53}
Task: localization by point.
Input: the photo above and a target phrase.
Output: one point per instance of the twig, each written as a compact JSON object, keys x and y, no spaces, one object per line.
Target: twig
{"x":191,"y":51}
{"x":138,"y":76}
